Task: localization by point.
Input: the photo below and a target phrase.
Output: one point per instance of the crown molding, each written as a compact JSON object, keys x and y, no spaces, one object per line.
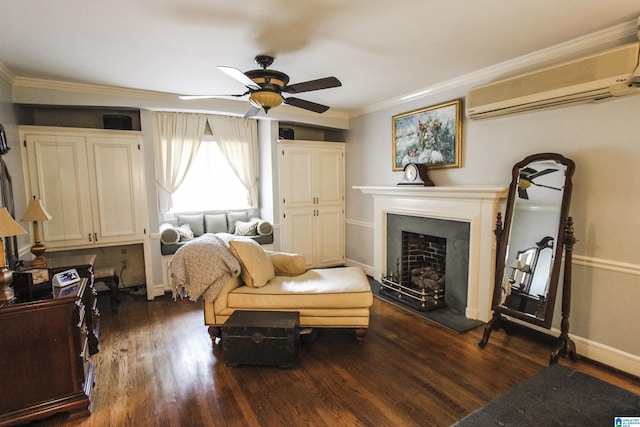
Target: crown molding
{"x":89,"y":89}
{"x":618,"y":34}
{"x":30,"y":90}
{"x":6,"y":74}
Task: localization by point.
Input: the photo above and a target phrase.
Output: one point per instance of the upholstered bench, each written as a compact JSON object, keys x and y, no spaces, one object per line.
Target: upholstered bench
{"x":268,"y":281}
{"x":325,"y":298}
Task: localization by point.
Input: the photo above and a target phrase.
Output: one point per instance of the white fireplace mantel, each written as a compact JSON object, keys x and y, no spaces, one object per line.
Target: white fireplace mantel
{"x":476,"y":204}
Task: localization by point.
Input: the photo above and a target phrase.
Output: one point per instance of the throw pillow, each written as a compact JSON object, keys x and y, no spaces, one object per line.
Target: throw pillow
{"x":185,"y":233}
{"x":285,"y":264}
{"x":168,"y":234}
{"x":215,"y":223}
{"x":256,"y":267}
{"x":246,"y":228}
{"x":232,"y":217}
{"x":264,"y":227}
{"x":195,"y":221}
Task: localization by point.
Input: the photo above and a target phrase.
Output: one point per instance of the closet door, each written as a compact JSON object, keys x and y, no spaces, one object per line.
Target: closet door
{"x":298,"y":171}
{"x":117,"y":205}
{"x":59,"y":178}
{"x":298,"y":234}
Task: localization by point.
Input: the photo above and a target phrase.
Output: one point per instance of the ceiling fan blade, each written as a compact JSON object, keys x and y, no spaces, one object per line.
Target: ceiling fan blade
{"x":523,"y":193}
{"x":542,"y":172}
{"x":307,"y":105}
{"x":239,"y":76}
{"x":547,"y":186}
{"x":325,"y":83}
{"x":253,"y":111}
{"x":188,"y":97}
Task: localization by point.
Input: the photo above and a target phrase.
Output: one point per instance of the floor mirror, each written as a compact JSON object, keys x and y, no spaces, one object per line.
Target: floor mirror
{"x":530,"y":247}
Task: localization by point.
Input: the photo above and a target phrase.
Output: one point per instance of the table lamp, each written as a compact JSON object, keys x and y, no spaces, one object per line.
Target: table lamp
{"x":35,"y":213}
{"x":8,"y":228}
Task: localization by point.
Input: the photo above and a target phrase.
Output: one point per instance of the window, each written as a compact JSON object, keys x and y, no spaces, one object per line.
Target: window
{"x":210,"y":184}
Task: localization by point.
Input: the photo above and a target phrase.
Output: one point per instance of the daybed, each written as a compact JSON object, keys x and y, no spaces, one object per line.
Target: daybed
{"x":325,"y":298}
{"x":186,"y":227}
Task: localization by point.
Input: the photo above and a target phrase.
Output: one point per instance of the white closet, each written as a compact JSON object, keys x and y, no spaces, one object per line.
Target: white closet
{"x":311,"y":177}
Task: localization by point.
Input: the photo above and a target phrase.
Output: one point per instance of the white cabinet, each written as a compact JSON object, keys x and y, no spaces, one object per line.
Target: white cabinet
{"x":312,"y":201}
{"x":90,"y":181}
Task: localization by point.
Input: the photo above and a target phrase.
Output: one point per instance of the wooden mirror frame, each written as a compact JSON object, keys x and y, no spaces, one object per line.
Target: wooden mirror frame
{"x":503,"y":234}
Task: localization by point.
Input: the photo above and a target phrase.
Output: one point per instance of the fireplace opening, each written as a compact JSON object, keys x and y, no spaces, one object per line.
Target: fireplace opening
{"x":431,"y":246}
{"x":419,"y":277}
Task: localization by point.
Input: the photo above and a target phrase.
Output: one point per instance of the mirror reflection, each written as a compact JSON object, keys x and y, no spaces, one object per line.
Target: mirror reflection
{"x":533,"y":233}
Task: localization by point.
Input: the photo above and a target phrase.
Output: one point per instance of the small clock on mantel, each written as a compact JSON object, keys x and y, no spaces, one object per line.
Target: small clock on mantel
{"x":416,"y":174}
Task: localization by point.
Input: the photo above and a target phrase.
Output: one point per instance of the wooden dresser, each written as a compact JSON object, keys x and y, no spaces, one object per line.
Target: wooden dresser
{"x":45,"y":350}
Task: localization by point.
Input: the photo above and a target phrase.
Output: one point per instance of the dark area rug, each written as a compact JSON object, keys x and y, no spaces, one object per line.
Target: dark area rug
{"x":557,"y":396}
{"x":445,"y":316}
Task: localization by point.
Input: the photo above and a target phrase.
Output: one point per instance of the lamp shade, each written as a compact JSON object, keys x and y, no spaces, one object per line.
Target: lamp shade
{"x":35,"y":212}
{"x":265,"y":99}
{"x":8,"y":226}
{"x":516,"y":264}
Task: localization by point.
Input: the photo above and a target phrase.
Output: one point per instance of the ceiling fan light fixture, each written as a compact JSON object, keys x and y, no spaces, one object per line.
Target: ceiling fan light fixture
{"x":265,"y":99}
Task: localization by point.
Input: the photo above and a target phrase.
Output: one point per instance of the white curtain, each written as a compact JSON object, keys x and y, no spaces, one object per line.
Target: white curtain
{"x":238,"y":141}
{"x":177,"y":138}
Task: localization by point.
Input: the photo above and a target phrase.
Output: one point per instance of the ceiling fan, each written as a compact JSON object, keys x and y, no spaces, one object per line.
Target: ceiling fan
{"x":527,"y":175}
{"x":265,"y":88}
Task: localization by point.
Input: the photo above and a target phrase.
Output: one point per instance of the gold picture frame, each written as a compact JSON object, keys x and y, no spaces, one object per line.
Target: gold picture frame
{"x":430,"y":135}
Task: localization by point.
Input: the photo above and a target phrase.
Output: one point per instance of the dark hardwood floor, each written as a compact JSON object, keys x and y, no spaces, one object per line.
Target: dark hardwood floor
{"x":158,"y":367}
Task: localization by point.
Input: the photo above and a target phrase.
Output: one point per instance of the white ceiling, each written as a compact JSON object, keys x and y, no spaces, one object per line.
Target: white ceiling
{"x":379,"y":49}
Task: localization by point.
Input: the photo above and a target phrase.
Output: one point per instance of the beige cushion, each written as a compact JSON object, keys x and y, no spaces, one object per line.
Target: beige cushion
{"x":286,"y":264}
{"x":322,"y":288}
{"x":256,"y":266}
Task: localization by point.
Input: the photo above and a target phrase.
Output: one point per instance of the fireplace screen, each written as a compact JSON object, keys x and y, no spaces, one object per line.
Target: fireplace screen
{"x":419,"y":278}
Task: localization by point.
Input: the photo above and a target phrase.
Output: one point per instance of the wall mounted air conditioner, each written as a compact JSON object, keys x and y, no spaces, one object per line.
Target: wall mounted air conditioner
{"x":605,"y":75}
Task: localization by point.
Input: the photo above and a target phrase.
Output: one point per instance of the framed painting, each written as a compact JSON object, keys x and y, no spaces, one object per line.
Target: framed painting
{"x":430,"y":136}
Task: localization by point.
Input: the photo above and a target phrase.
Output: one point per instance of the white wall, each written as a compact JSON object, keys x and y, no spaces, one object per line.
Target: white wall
{"x":603,"y":141}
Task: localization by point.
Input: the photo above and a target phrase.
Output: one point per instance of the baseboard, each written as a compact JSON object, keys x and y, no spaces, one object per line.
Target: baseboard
{"x":367,"y":268}
{"x":156,"y":291}
{"x":606,"y":355}
{"x":598,"y":352}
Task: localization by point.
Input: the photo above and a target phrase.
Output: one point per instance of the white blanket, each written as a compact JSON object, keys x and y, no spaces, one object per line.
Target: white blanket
{"x":202,"y":267}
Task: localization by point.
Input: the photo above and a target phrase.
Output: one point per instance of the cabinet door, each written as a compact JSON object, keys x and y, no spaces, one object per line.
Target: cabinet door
{"x":59,"y":177}
{"x":329,"y":175}
{"x":117,"y":197}
{"x":297,"y":173}
{"x":328,"y":236}
{"x":297,"y":233}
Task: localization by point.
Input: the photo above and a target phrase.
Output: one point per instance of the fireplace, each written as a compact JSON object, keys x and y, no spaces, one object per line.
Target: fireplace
{"x":467,"y":209}
{"x":427,"y":262}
